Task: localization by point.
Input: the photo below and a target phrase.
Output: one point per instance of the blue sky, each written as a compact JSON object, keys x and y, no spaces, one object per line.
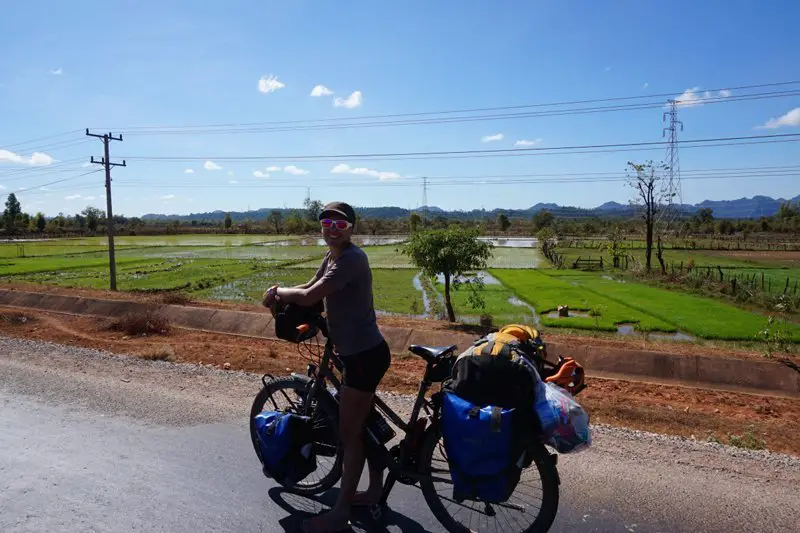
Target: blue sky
{"x":125,"y":64}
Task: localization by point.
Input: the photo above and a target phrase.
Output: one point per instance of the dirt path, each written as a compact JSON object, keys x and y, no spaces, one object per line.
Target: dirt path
{"x":701,"y":414}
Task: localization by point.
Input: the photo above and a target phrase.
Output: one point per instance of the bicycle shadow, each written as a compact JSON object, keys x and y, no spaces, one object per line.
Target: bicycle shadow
{"x":301,"y":507}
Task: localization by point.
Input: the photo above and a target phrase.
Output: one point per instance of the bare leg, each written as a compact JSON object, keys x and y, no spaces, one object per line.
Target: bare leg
{"x":375,"y":488}
{"x":354,"y":406}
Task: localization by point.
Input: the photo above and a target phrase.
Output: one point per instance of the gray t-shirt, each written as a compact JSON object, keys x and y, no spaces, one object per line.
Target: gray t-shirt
{"x":350,"y":309}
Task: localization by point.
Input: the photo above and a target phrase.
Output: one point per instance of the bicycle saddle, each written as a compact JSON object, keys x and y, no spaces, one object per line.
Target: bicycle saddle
{"x":431,"y":353}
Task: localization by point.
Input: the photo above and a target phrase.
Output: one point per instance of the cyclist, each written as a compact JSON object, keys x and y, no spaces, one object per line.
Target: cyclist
{"x":344,"y":282}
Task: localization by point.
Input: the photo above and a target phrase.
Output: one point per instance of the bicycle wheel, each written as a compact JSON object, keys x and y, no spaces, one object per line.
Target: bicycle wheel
{"x":531,"y":508}
{"x":290,"y":392}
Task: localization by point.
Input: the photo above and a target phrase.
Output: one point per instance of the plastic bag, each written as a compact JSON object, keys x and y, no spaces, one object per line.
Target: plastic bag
{"x":564,"y":423}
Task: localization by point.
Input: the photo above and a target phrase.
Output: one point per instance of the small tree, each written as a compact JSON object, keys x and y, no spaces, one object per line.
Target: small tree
{"x":228,"y":221}
{"x":93,"y":216}
{"x":450,"y":252}
{"x":11,"y":214}
{"x":503,"y":222}
{"x":614,"y":245}
{"x":313,"y":209}
{"x":275,"y":219}
{"x":542,"y":219}
{"x":652,"y":194}
{"x":414,"y":220}
{"x":41,"y":223}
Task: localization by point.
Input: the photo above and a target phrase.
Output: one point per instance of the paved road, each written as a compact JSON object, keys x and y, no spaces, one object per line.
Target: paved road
{"x":92,"y":442}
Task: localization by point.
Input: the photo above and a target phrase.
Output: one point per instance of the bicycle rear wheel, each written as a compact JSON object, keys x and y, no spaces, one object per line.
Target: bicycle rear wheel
{"x":290,"y":393}
{"x":531,"y":508}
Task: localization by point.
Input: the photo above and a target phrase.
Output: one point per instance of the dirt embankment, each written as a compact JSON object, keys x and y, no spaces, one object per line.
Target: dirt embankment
{"x":747,"y":420}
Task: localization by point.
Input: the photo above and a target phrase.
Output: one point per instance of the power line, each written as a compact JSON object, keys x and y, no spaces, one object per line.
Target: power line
{"x":131,"y":129}
{"x":452,"y":120}
{"x":138,"y":184}
{"x":493,"y":152}
{"x":70,"y":132}
{"x":40,"y":185}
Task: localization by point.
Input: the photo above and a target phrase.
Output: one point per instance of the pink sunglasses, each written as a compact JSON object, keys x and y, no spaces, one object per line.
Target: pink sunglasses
{"x":341,"y":225}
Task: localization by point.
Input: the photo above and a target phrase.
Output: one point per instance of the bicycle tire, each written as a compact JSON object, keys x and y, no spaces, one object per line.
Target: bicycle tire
{"x":542,"y":463}
{"x":298,"y":386}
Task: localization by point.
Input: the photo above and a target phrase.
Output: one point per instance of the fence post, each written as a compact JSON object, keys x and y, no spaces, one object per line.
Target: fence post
{"x":786,"y":288}
{"x":762,"y":280}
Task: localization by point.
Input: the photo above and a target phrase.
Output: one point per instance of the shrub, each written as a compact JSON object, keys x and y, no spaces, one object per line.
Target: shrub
{"x":162,"y":352}
{"x":176,"y":298}
{"x":147,"y":322}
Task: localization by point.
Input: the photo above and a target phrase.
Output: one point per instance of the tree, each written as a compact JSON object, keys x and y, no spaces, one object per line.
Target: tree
{"x":40,"y":222}
{"x":614,"y":245}
{"x":313,"y":209}
{"x":414,"y":220}
{"x":705,"y":215}
{"x":542,"y":219}
{"x":294,"y":223}
{"x":450,"y":252}
{"x":11,"y":214}
{"x":93,"y":216}
{"x":652,"y":194}
{"x":228,"y":221}
{"x":503,"y":222}
{"x":374,"y":225}
{"x":275,"y":219}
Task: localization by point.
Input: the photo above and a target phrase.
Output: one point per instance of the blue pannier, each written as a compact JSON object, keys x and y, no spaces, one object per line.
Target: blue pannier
{"x":484,"y":449}
{"x":286,"y":446}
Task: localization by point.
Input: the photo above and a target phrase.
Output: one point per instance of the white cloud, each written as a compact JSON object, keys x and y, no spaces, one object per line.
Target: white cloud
{"x":37,"y":159}
{"x":42,"y":189}
{"x":210,"y":165}
{"x":72,"y":197}
{"x":168,"y":197}
{"x":86,"y":165}
{"x":188,"y":171}
{"x":321,"y":90}
{"x":491,"y":138}
{"x":89,"y":198}
{"x":525,"y":142}
{"x":646,"y":85}
{"x":230,"y":173}
{"x":269,"y":84}
{"x":259,"y":174}
{"x":233,"y":182}
{"x":274,"y":169}
{"x":361,"y":171}
{"x":351,"y":102}
{"x":291,"y":169}
{"x":2,"y":187}
{"x":57,"y":71}
{"x":792,"y":118}
{"x":692,"y":97}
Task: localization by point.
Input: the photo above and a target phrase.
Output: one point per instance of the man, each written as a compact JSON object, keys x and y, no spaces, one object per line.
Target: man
{"x":344,"y":282}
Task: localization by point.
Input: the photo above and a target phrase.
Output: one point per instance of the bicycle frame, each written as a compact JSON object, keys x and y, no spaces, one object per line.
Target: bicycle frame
{"x":396,"y":470}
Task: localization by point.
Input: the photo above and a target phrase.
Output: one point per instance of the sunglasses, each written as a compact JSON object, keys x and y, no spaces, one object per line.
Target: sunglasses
{"x":341,"y":225}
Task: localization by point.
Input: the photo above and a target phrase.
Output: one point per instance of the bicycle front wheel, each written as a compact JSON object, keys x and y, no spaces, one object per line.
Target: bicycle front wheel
{"x":289,"y":393}
{"x":531,"y":508}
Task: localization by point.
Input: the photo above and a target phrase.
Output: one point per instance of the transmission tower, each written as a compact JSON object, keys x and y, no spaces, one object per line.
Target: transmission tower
{"x":675,"y":193}
{"x":424,"y":199}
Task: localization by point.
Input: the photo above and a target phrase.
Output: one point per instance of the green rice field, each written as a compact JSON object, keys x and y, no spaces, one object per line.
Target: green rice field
{"x":520,"y":286}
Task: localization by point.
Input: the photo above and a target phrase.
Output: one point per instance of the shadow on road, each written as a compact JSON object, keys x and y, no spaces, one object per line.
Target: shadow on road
{"x":302,"y":507}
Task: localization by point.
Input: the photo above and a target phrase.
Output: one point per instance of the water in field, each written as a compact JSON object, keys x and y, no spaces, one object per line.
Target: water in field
{"x":630,"y":330}
{"x":519,"y":303}
{"x":488,"y":279}
{"x":359,"y":240}
{"x":426,"y":303}
{"x":511,"y":242}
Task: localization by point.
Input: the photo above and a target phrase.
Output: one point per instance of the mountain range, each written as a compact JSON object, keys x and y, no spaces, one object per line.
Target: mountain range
{"x":742,"y":208}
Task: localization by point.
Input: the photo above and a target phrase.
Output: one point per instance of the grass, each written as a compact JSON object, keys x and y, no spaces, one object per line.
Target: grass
{"x":394,"y":292}
{"x":697,"y":315}
{"x":546,"y":292}
{"x":497,"y":299}
{"x":161,"y":352}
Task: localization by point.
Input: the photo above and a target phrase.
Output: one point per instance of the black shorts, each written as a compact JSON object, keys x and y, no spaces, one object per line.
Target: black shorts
{"x":364,"y":370}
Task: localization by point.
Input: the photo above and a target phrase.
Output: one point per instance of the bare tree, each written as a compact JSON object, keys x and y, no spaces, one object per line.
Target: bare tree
{"x":653,"y":195}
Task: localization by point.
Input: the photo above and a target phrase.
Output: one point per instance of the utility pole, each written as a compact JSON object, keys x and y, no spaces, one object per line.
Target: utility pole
{"x":106,"y":162}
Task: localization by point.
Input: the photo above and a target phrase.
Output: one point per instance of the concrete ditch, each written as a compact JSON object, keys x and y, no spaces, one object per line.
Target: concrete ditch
{"x":715,"y":372}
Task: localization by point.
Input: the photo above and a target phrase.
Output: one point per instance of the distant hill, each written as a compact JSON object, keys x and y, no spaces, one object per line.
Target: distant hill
{"x":755,"y":207}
